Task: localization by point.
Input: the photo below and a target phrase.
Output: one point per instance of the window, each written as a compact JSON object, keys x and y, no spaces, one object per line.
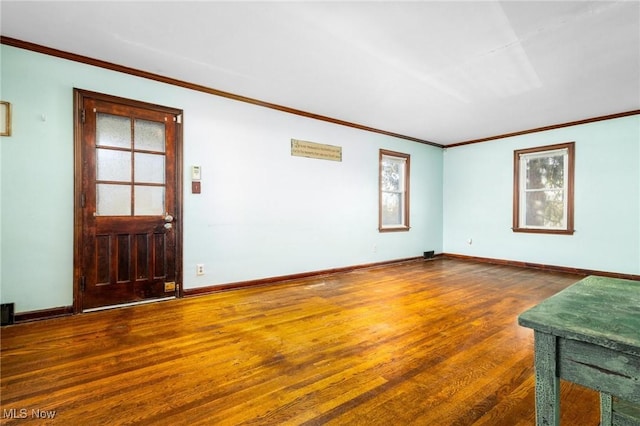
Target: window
{"x":543,"y":189}
{"x":394,"y":191}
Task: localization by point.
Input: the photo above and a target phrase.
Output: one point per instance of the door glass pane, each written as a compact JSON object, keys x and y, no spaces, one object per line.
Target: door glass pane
{"x":113,"y":200}
{"x":149,"y":135}
{"x":149,"y":200}
{"x":149,"y":168}
{"x":113,"y":130}
{"x":113,"y":165}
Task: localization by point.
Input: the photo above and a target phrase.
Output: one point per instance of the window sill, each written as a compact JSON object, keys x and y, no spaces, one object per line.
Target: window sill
{"x":395,"y":229}
{"x":544,"y":231}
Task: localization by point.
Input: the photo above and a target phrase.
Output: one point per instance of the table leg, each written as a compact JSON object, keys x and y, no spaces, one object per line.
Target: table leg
{"x":547,"y":381}
{"x":606,"y":409}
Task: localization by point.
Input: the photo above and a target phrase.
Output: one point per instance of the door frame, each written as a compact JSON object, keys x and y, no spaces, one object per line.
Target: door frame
{"x":79,"y":96}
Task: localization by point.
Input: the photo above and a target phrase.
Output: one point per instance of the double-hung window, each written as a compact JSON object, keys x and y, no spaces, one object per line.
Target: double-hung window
{"x":394,"y":191}
{"x":543,"y":189}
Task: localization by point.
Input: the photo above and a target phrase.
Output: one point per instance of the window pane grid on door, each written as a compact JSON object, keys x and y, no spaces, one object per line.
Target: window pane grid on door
{"x":113,"y":130}
{"x":134,"y":150}
{"x":148,"y":200}
{"x":149,"y":135}
{"x":113,"y":199}
{"x":113,"y":165}
{"x":130,"y":166}
{"x":149,"y":168}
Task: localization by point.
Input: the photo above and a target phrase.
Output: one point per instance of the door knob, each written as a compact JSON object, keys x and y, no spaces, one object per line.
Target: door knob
{"x":168,"y":225}
{"x":168,"y":218}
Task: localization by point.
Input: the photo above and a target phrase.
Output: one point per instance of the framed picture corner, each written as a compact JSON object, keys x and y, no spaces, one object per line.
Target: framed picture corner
{"x":5,"y":118}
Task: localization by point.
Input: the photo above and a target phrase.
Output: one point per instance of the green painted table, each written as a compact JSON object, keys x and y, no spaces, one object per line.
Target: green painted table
{"x":589,"y":334}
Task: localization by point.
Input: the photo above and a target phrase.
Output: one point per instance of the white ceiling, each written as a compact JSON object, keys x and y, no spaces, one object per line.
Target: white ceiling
{"x":445,"y":72}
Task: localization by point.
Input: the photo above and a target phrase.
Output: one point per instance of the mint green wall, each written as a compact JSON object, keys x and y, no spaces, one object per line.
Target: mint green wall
{"x":478,"y":187}
{"x":262,"y":212}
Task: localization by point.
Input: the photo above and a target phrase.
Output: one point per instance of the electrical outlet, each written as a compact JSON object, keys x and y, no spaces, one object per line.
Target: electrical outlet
{"x":200,"y":269}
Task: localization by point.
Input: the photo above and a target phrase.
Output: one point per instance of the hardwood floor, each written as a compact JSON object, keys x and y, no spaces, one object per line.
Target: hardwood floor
{"x":421,"y":343}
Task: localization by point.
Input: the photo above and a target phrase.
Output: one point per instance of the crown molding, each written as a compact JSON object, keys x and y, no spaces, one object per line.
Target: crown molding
{"x":197,"y":87}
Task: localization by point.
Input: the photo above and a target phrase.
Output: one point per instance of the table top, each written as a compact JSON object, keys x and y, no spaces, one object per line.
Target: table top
{"x":599,"y":310}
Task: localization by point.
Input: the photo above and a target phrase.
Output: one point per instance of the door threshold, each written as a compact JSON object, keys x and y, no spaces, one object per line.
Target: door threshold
{"x":124,"y":305}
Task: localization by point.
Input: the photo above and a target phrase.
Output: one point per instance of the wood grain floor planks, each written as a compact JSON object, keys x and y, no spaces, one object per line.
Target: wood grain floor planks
{"x":418,"y":343}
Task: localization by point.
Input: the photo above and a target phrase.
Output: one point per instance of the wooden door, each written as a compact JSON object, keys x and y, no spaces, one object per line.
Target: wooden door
{"x":128,"y":201}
